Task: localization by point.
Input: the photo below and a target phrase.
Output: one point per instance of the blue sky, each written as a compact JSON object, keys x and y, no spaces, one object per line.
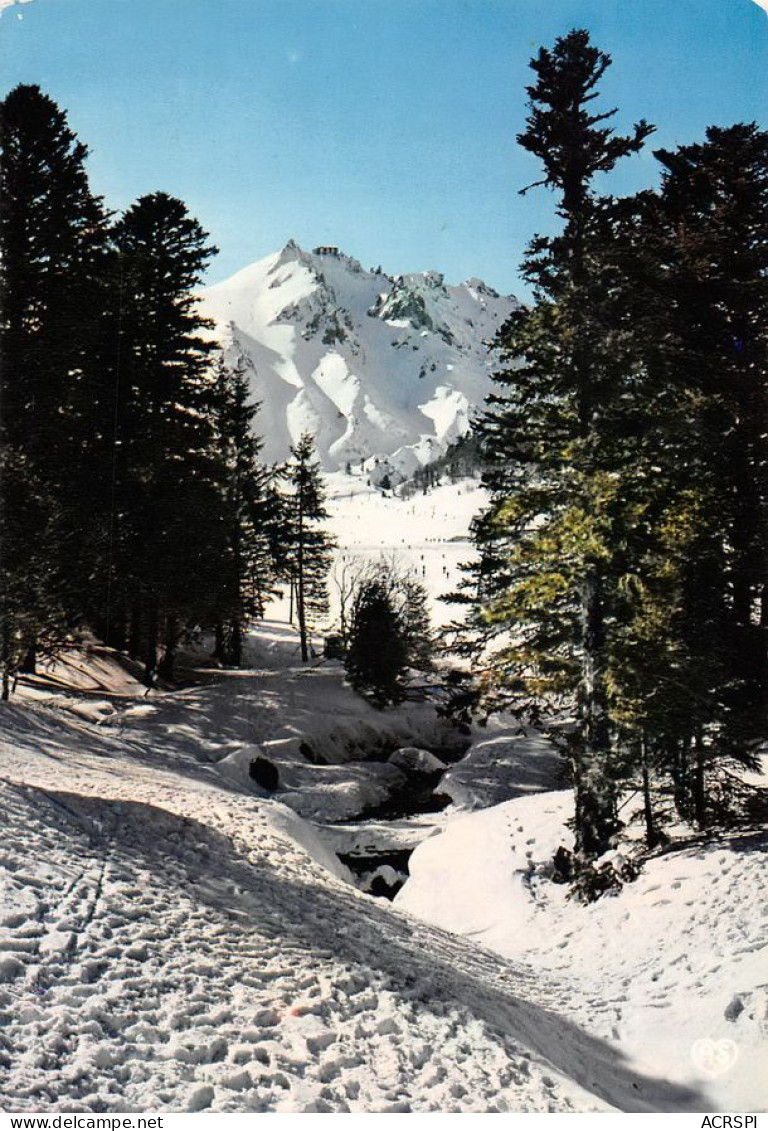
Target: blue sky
{"x":386,"y":128}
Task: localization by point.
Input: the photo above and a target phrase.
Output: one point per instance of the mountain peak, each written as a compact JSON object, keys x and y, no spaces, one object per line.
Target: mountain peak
{"x":292,"y":250}
{"x":371,"y":365}
{"x":481,"y":288}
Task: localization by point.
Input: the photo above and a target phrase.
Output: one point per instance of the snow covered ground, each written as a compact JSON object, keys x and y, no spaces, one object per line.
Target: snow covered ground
{"x":172,"y":941}
{"x":673,"y":971}
{"x":427,"y":534}
{"x":174,"y":937}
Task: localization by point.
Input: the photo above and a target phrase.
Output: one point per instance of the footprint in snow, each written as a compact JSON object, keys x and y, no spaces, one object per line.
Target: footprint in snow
{"x":201,"y":1098}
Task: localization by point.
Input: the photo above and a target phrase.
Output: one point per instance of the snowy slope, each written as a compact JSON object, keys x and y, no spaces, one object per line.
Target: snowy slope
{"x":171,"y":940}
{"x":673,"y":970}
{"x":371,"y":365}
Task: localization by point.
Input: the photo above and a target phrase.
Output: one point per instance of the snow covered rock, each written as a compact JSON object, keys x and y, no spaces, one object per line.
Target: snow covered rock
{"x":338,"y":793}
{"x":412,"y":760}
{"x":509,"y":762}
{"x":264,"y":773}
{"x":316,"y":791}
{"x":383,"y":881}
{"x":237,"y":766}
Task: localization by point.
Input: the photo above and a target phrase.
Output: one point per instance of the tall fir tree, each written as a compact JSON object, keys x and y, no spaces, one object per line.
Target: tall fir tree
{"x":308,"y":546}
{"x":169,"y":531}
{"x":697,"y":642}
{"x":253,"y":515}
{"x":714,"y":199}
{"x":548,"y":564}
{"x":55,"y":401}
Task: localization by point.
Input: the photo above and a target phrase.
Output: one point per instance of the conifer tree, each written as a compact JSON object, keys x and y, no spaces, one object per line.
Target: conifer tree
{"x":714,"y":200}
{"x":377,"y":656}
{"x":54,"y":406}
{"x":32,"y":613}
{"x":548,"y":564}
{"x":690,"y":673}
{"x":170,"y":535}
{"x":252,"y":509}
{"x":307,"y":546}
{"x":410,"y":603}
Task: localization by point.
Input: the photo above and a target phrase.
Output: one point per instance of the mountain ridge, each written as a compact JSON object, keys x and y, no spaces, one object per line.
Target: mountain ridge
{"x":376,"y":366}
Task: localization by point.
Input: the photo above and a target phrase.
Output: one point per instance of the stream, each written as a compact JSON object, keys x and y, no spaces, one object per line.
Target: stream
{"x":377,"y":845}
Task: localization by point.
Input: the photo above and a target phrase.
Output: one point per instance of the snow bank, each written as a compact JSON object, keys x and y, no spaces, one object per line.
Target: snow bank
{"x":412,"y":760}
{"x":673,"y":968}
{"x":285,"y":821}
{"x":511,"y":761}
{"x":473,"y":877}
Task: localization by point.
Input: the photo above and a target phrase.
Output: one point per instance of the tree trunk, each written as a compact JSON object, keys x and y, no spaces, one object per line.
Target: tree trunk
{"x":134,"y":634}
{"x":219,"y":648}
{"x":5,"y":657}
{"x":742,"y":595}
{"x":681,"y":789}
{"x":29,"y":664}
{"x":300,"y":606}
{"x":303,"y":636}
{"x":150,"y":647}
{"x":699,"y":784}
{"x":596,"y":817}
{"x":116,"y":635}
{"x":166,"y":667}
{"x":236,"y":643}
{"x":652,"y":837}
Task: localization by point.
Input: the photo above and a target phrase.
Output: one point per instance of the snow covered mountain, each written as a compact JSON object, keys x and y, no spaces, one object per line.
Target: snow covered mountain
{"x":373,"y":366}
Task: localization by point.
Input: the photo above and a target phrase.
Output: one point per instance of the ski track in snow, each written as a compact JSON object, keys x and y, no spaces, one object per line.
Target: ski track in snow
{"x":164,"y":946}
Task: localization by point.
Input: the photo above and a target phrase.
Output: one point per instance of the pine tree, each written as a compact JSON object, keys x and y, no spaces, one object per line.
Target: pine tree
{"x":169,"y":536}
{"x":307,"y":545}
{"x":54,"y":403}
{"x":377,"y":656}
{"x":715,"y":201}
{"x":417,"y":630}
{"x":31,"y":613}
{"x":410,"y":603}
{"x":52,"y":233}
{"x":253,"y":514}
{"x":691,"y":671}
{"x":548,"y":563}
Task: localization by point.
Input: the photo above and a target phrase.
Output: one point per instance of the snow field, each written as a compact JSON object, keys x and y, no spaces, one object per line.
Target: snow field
{"x":426,"y":534}
{"x":672,"y":970}
{"x":169,"y":945}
